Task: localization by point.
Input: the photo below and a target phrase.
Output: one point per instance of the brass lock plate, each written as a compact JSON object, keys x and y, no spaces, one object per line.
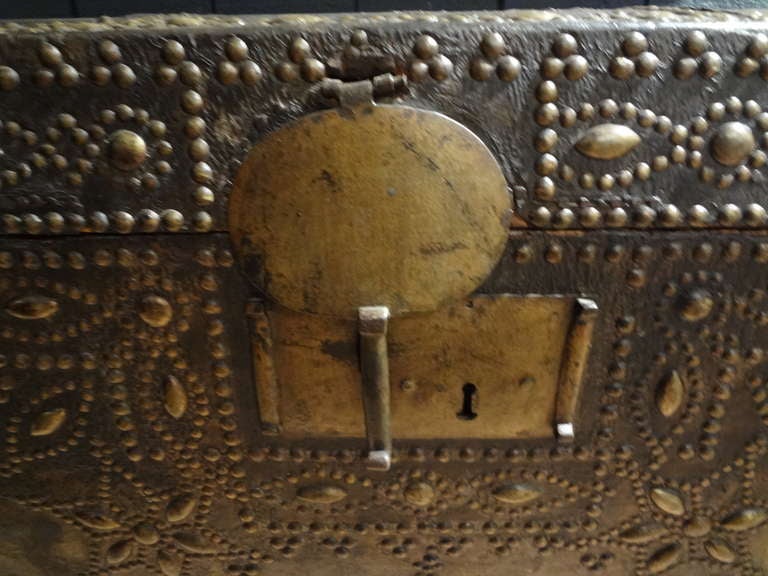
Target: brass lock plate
{"x":490,"y":367}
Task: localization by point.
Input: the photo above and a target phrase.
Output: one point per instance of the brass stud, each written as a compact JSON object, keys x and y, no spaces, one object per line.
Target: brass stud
{"x":203,"y":196}
{"x":299,"y":50}
{"x":621,"y":68}
{"x":312,"y":70}
{"x":124,"y":76}
{"x":173,"y":52}
{"x":165,"y":75}
{"x":616,"y":217}
{"x":698,"y":215}
{"x":426,"y":47}
{"x":541,"y":216}
{"x":109,"y":52}
{"x":202,"y":221}
{"x":710,"y":64}
{"x":287,"y":72}
{"x":492,"y":45}
{"x":546,"y":91}
{"x":198,"y":149}
{"x":551,"y":67}
{"x":250,"y":73}
{"x":508,"y":68}
{"x":544,"y":188}
{"x":563,"y":218}
{"x":646,"y":64}
{"x":546,"y":164}
{"x":358,"y":38}
{"x":189,"y":73}
{"x":696,"y":43}
{"x":236,"y":49}
{"x":732,"y":143}
{"x":173,"y":220}
{"x":685,"y":68}
{"x":100,"y":75}
{"x":716,"y":111}
{"x":758,"y":46}
{"x":127,"y":150}
{"x":545,"y":140}
{"x":634,"y":44}
{"x":480,"y":69}
{"x":589,"y":217}
{"x":123,"y":222}
{"x":194,"y":127}
{"x":644,"y":216}
{"x":155,"y":310}
{"x":67,"y":75}
{"x":418,"y":71}
{"x":546,"y":114}
{"x":9,"y":78}
{"x":754,"y":215}
{"x":575,"y":67}
{"x":696,"y":305}
{"x":148,"y":220}
{"x":440,"y":67}
{"x":49,"y":55}
{"x":746,"y":67}
{"x":191,"y":102}
{"x":565,"y":45}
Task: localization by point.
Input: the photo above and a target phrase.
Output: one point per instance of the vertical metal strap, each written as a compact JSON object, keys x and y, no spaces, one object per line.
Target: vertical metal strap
{"x":374,"y":366}
{"x":264,"y":373}
{"x":576,"y":352}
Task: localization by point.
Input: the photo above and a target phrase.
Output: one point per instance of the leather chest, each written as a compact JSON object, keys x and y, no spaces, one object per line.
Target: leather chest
{"x":385,"y":294}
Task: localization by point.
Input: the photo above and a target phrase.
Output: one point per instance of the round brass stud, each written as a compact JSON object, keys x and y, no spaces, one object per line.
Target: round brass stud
{"x":696,"y":305}
{"x":575,"y":67}
{"x":127,"y":150}
{"x":9,"y":78}
{"x":732,"y":143}
{"x":634,"y":44}
{"x":480,"y":69}
{"x":646,"y":64}
{"x":109,"y":52}
{"x":508,"y":68}
{"x":696,"y":43}
{"x":250,"y":73}
{"x":426,"y":47}
{"x":492,"y":45}
{"x":565,"y":45}
{"x":155,"y":310}
{"x":236,"y":49}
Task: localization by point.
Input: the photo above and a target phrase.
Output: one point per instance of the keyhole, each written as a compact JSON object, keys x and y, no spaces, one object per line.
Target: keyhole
{"x":468,"y":402}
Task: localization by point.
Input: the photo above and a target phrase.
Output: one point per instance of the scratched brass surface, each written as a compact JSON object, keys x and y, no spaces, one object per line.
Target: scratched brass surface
{"x":352,"y":207}
{"x":509,"y":347}
{"x":145,"y":412}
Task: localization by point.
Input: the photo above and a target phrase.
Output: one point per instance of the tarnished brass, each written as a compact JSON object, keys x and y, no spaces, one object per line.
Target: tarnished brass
{"x":374,"y":205}
{"x":573,"y":365}
{"x":563,"y":211}
{"x":510,"y":348}
{"x":264,"y":376}
{"x":374,"y":369}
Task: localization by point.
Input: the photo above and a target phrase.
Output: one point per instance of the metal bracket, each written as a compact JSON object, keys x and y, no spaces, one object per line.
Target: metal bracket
{"x":264,"y":374}
{"x":572,"y":368}
{"x":374,"y":366}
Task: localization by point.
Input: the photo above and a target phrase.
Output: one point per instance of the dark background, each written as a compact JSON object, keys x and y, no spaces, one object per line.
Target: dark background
{"x":89,"y":8}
